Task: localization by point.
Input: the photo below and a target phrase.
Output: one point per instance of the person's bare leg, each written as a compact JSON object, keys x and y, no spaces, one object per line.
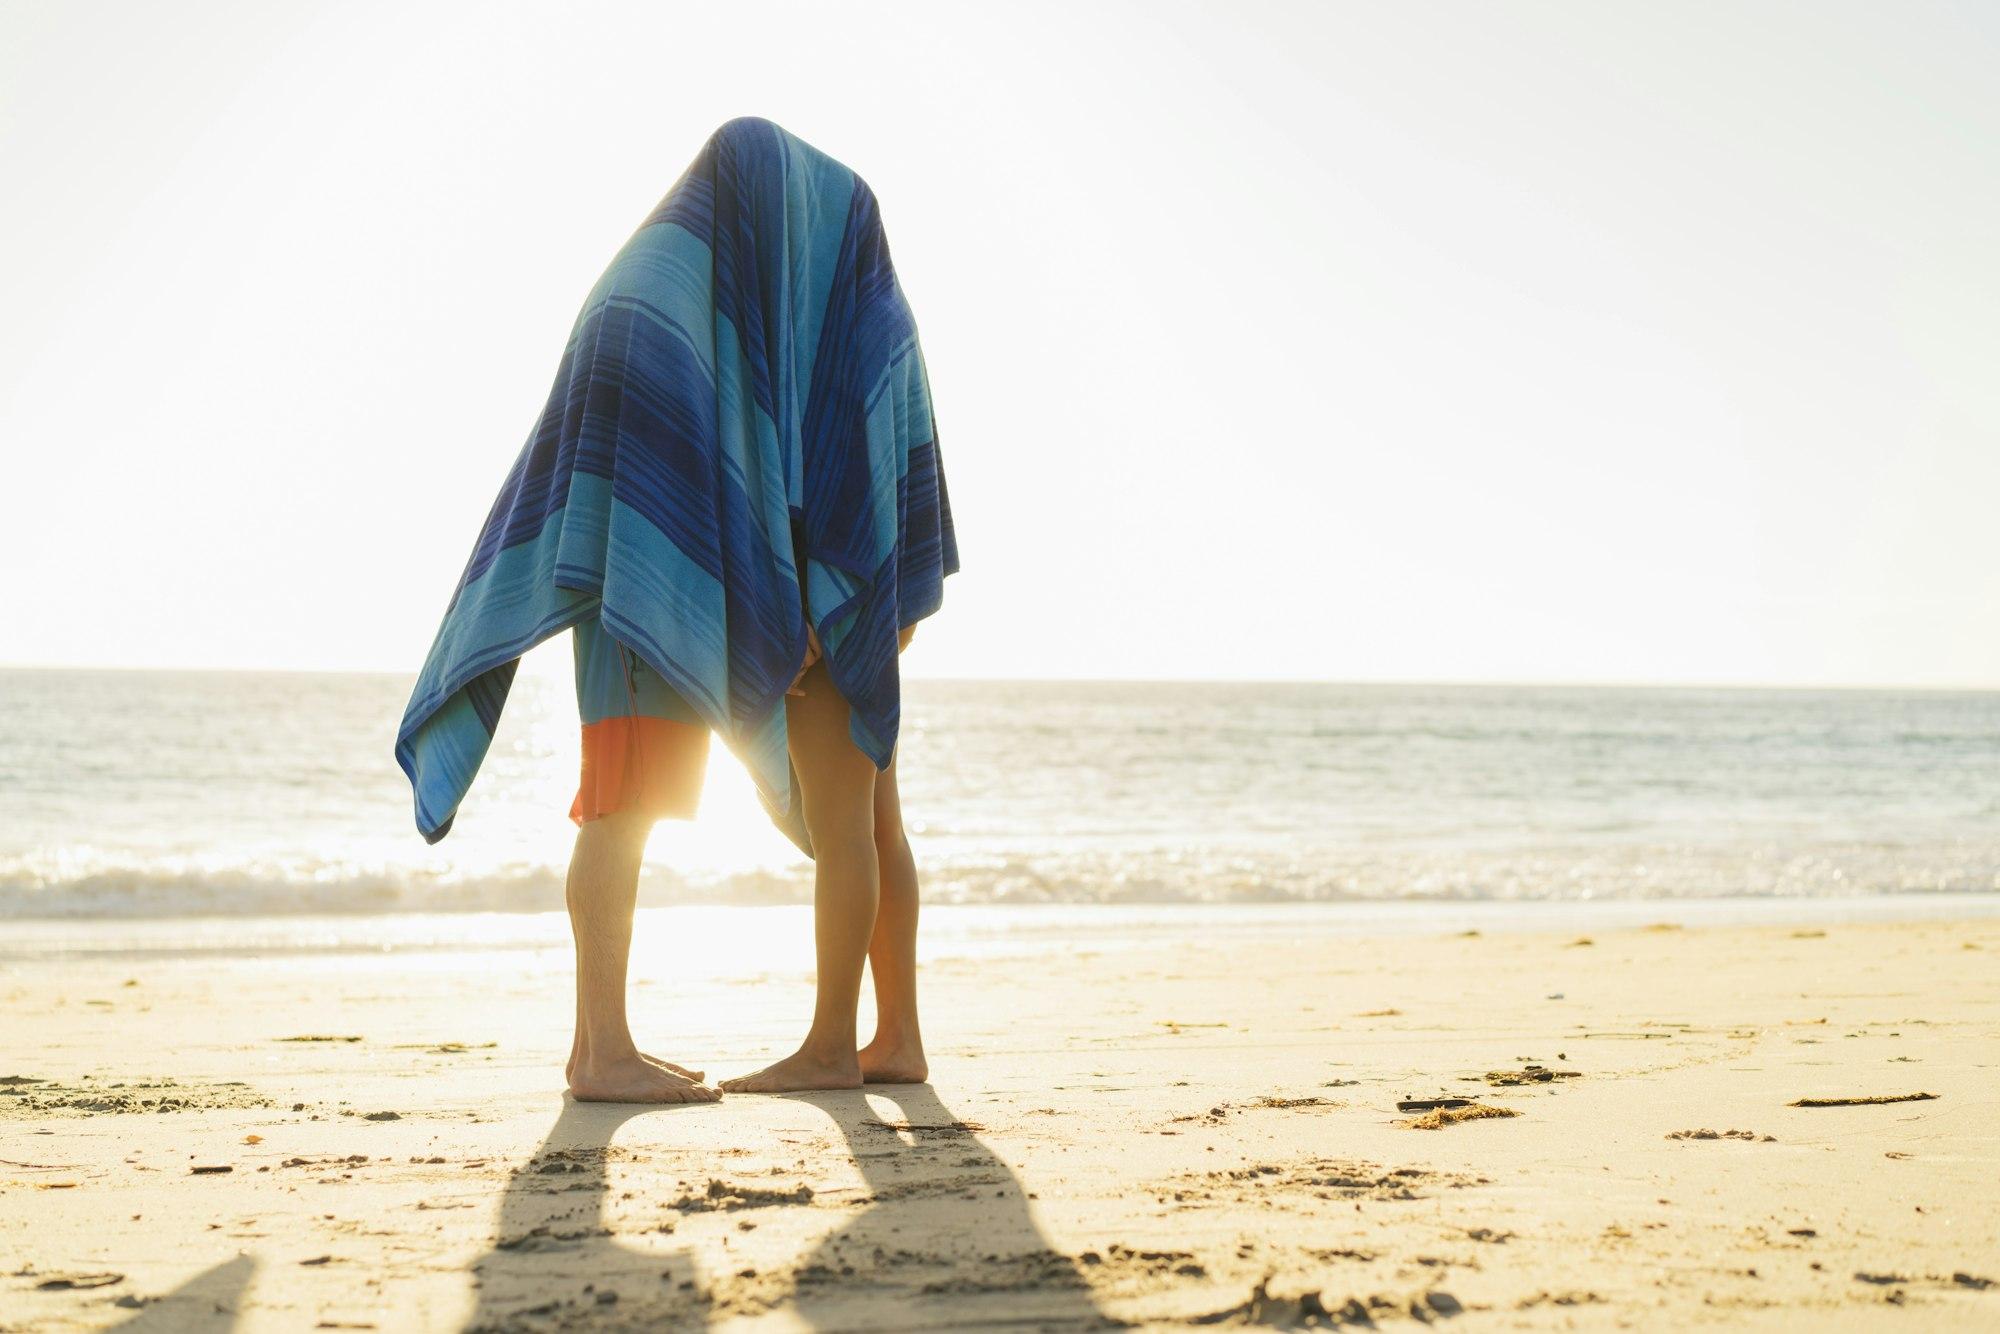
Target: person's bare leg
{"x":605,"y":1064}
{"x":576,"y":1042}
{"x":837,"y":784}
{"x":896,"y":1054}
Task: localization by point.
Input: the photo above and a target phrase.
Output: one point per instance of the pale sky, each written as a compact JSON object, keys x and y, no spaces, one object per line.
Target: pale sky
{"x":1476,"y":341}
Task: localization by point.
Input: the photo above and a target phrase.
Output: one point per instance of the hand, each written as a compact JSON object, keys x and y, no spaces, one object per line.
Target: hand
{"x":812,"y":656}
{"x":813,"y":653}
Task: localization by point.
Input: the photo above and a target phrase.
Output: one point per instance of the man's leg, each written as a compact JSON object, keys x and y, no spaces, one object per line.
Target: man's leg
{"x":896,"y":1055}
{"x":605,"y":1064}
{"x":837,"y":784}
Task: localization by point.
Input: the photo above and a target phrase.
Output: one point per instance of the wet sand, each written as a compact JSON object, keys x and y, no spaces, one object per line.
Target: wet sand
{"x":1620,"y":1130}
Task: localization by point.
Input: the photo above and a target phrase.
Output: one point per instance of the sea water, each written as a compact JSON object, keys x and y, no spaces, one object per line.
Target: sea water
{"x":178,"y":795}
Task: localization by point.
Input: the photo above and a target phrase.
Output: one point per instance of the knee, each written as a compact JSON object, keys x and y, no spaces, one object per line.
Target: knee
{"x":846,"y":832}
{"x":848,"y":856}
{"x":616,"y":831}
{"x":631,"y":822}
{"x":889,"y":837}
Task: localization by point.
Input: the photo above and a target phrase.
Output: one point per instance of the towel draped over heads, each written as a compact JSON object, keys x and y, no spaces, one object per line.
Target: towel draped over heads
{"x":740,"y":436}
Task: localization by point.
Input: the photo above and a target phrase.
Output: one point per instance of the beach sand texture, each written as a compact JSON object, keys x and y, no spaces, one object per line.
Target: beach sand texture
{"x":1185,"y":1132}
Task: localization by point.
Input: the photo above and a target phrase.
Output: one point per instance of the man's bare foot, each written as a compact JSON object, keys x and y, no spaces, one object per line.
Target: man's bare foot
{"x":633,"y":1079}
{"x":900,"y":1062}
{"x":798,"y":1072}
{"x":569,"y":1070}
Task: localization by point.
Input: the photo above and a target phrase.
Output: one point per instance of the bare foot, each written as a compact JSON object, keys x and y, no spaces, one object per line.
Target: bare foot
{"x":671,"y":1068}
{"x":633,"y":1079}
{"x":798,"y":1072}
{"x":569,"y":1070}
{"x":894,"y":1062}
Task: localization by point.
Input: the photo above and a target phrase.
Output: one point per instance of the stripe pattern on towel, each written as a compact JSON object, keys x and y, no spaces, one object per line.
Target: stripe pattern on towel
{"x":740,"y":435}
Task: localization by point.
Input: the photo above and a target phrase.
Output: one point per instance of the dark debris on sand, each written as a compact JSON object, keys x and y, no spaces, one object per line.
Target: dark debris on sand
{"x":927,"y":1130}
{"x":21,"y":1096}
{"x":727,"y":1196}
{"x":545,"y":1238}
{"x":1451,"y":1116}
{"x":1219,"y":1113}
{"x":1322,"y":1178}
{"x":1959,"y":1279}
{"x":1529,"y":1074}
{"x":65,"y":1282}
{"x":1323,"y":1309}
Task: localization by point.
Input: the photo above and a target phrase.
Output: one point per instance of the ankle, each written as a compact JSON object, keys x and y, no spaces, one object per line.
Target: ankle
{"x":591,"y":1049}
{"x":897,"y":1033}
{"x":837,"y":1049}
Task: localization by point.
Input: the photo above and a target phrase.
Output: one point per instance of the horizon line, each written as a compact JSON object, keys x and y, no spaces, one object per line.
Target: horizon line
{"x":1512,"y":683}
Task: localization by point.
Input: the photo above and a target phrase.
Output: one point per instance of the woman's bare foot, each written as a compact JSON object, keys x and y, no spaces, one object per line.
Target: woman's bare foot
{"x":899,"y":1061}
{"x":633,"y":1078}
{"x":800,"y":1071}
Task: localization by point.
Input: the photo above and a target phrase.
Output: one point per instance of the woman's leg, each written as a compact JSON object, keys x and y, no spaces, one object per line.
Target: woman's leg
{"x":605,"y":1064}
{"x":896,"y":1055}
{"x":837,"y":784}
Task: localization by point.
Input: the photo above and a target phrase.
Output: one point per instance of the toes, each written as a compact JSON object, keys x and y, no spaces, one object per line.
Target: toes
{"x":681,"y":1070}
{"x":696,"y":1091}
{"x":670,"y":1089}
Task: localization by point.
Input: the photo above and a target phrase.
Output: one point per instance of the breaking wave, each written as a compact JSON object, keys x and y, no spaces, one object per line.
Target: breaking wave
{"x":265,"y":888}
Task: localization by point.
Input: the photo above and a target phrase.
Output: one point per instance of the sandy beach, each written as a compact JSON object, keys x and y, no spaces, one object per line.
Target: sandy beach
{"x":1191,"y":1128}
{"x":1367,"y":624}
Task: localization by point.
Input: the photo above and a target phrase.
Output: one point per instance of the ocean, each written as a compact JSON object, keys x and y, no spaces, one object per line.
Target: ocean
{"x":130,"y":794}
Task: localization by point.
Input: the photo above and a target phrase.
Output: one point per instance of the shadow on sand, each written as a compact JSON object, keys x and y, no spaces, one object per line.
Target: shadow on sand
{"x":207,"y":1302}
{"x":939,"y":1234}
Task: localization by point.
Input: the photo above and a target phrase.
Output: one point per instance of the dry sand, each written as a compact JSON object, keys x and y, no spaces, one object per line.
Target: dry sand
{"x":1198,"y":1132}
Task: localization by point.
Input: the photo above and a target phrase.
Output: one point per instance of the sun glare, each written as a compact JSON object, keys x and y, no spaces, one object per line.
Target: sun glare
{"x":730,"y":835}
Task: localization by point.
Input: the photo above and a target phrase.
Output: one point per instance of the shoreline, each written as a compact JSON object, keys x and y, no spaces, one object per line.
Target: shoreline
{"x":950,"y":928}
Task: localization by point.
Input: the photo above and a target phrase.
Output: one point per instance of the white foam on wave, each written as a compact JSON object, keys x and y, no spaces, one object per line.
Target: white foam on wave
{"x":161,"y":888}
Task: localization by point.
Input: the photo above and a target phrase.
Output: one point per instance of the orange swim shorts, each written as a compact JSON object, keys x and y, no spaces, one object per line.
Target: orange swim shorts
{"x":644,"y":746}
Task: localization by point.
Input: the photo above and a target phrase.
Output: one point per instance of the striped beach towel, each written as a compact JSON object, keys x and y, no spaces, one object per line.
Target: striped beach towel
{"x":740,"y":436}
